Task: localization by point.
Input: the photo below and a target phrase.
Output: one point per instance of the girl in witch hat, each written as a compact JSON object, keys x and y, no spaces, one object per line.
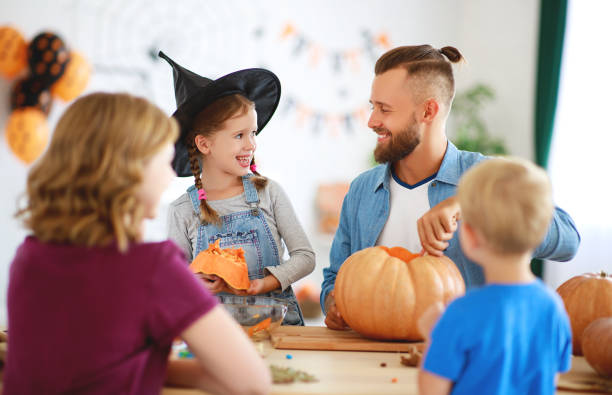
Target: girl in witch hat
{"x":230,"y":200}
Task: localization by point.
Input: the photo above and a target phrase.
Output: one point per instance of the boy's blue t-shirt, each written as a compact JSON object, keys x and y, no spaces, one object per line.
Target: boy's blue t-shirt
{"x":502,"y":339}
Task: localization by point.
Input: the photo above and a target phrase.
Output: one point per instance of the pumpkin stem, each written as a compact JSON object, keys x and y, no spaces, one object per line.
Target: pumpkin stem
{"x":603,"y":274}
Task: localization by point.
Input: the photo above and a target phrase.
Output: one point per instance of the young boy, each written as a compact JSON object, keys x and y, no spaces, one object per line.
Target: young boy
{"x":512,"y":335}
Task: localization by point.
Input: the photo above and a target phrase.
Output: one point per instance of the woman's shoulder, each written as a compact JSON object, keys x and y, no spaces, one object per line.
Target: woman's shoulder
{"x":156,"y":253}
{"x":43,"y":255}
{"x":153,"y":259}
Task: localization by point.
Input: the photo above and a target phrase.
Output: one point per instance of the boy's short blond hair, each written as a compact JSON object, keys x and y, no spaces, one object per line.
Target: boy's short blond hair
{"x":509,"y":201}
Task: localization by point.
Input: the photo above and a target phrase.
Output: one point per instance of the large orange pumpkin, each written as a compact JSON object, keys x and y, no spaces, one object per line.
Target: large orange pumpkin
{"x":227,"y":263}
{"x":382,"y":292}
{"x":586,"y":298}
{"x":597,"y":345}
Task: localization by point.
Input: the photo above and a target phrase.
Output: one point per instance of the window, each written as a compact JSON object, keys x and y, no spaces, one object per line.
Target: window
{"x":581,"y":153}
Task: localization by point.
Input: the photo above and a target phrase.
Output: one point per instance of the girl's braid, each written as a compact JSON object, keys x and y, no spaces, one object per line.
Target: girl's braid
{"x":207,"y":213}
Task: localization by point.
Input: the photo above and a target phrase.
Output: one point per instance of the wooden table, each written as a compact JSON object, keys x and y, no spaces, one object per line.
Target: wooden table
{"x":354,"y":372}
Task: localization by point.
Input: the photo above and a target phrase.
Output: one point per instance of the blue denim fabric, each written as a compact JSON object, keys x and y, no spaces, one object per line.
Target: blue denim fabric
{"x":366,"y":208}
{"x":250,"y":231}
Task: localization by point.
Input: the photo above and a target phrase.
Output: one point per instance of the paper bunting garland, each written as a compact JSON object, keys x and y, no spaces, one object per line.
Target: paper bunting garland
{"x":338,"y":58}
{"x":307,"y":117}
{"x":316,"y":53}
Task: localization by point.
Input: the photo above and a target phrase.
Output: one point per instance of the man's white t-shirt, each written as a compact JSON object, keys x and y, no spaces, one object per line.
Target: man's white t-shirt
{"x":407,"y":203}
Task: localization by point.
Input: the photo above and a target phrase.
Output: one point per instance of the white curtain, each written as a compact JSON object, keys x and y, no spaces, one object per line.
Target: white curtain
{"x":581,"y":152}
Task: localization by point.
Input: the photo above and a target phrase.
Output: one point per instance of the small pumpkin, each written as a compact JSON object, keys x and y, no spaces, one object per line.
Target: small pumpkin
{"x":586,"y":298}
{"x":382,"y":292}
{"x":227,"y":263}
{"x":597,"y":345}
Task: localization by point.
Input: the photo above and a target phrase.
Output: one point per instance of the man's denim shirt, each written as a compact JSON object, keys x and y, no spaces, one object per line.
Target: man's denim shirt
{"x":366,"y":208}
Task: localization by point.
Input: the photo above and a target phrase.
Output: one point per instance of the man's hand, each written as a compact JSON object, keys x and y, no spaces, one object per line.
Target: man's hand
{"x":438,"y":225}
{"x":333,"y":319}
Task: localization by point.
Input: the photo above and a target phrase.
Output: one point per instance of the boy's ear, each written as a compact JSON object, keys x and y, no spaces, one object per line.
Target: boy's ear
{"x":469,"y":236}
{"x":202,"y":143}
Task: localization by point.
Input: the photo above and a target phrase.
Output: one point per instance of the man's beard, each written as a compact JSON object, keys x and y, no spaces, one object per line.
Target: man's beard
{"x":399,"y":146}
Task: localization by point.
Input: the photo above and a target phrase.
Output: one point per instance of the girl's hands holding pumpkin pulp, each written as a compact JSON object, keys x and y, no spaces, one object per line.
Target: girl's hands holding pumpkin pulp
{"x":214,"y":284}
{"x":263,"y":285}
{"x":256,"y":287}
{"x":438,"y":225}
{"x":333,"y":319}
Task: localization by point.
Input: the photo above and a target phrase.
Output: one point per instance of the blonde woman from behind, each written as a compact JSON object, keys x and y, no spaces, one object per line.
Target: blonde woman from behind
{"x":92,"y":308}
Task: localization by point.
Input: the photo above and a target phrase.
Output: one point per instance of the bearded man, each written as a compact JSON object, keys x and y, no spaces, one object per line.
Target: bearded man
{"x":409,"y":199}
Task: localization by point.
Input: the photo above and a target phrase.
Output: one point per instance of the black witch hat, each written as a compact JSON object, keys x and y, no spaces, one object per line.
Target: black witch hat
{"x":194,"y":92}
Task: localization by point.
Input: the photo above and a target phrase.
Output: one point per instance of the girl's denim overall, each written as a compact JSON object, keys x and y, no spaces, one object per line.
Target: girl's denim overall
{"x":247,"y":230}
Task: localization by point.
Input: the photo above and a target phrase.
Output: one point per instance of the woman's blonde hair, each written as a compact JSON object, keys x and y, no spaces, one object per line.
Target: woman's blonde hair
{"x":206,"y":123}
{"x":83,"y":190}
{"x":509,"y":201}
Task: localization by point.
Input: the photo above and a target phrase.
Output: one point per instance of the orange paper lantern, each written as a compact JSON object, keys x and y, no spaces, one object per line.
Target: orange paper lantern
{"x":27,"y":133}
{"x":13,"y":48}
{"x":74,"y":80}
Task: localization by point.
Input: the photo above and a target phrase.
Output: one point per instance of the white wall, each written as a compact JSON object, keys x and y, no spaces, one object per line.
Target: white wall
{"x":500,"y":43}
{"x":213,"y":38}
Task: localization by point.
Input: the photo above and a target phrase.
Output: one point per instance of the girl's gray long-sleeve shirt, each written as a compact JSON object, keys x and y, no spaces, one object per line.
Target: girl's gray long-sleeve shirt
{"x":183,"y":226}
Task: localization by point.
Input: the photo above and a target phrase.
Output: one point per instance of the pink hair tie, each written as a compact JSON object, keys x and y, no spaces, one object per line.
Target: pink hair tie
{"x":253,"y":168}
{"x":201,"y":194}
